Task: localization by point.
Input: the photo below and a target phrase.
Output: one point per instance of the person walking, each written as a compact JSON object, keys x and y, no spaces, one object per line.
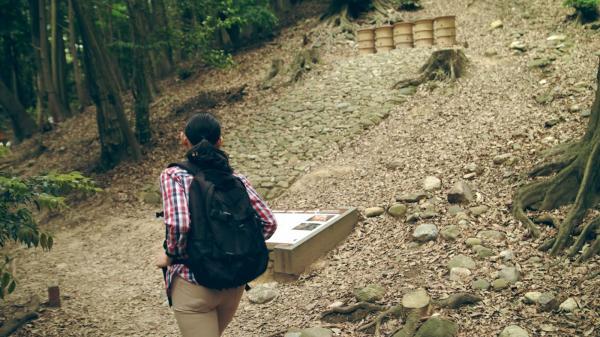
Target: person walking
{"x":211,"y":246}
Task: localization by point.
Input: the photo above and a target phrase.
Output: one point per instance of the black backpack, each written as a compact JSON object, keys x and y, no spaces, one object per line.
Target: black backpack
{"x":225,"y":244}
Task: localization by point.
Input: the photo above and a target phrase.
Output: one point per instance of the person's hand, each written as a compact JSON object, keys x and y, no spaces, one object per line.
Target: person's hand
{"x":162,"y":260}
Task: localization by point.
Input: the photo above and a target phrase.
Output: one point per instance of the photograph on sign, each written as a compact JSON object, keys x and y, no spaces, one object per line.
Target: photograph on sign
{"x":292,"y":227}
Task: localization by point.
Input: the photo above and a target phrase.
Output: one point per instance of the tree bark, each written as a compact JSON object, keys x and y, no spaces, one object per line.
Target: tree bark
{"x":141,"y":69}
{"x":23,"y":125}
{"x":116,"y":138}
{"x":54,"y":104}
{"x":82,"y":93}
{"x":577,"y":181}
{"x":165,"y":65}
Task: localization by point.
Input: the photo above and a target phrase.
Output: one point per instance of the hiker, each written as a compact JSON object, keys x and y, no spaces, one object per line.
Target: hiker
{"x":205,"y":292}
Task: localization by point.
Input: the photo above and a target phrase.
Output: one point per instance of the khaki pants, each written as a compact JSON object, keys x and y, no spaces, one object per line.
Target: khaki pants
{"x":203,"y":312}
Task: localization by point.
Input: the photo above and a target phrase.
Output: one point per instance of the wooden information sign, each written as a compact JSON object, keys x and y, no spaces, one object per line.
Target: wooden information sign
{"x":304,"y":236}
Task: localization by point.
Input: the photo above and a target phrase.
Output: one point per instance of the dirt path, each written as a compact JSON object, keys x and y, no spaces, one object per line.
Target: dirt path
{"x":104,"y":265}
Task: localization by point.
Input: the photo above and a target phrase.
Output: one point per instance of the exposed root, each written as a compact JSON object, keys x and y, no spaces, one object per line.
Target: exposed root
{"x":547,"y":245}
{"x":563,"y":189}
{"x":31,"y":312}
{"x":375,"y":324}
{"x":527,"y":196}
{"x":276,"y":67}
{"x":410,"y":327}
{"x":458,"y":300}
{"x":584,"y":236}
{"x":547,"y":169}
{"x":303,"y":63}
{"x":445,"y":64}
{"x":351,"y":313}
{"x":584,"y":200}
{"x":593,"y":250}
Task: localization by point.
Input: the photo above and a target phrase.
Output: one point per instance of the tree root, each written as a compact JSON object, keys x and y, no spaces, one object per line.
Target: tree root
{"x":591,"y":227}
{"x":549,"y":168}
{"x":458,"y":300}
{"x":303,"y":63}
{"x":375,"y":324}
{"x":410,"y":327}
{"x":31,"y":312}
{"x":351,"y":313}
{"x":445,"y":64}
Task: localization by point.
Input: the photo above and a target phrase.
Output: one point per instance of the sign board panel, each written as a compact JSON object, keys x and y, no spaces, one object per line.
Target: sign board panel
{"x":304,"y":236}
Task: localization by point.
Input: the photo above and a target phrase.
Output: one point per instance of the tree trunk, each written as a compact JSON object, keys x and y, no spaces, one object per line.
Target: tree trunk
{"x":23,"y":124}
{"x":165,"y":65}
{"x":141,"y":90}
{"x":54,"y":104}
{"x":116,"y":138}
{"x":577,"y":181}
{"x":35,"y":41}
{"x":82,"y":93}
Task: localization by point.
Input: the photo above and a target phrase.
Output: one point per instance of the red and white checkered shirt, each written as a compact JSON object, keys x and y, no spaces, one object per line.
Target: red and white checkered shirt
{"x":174,"y":185}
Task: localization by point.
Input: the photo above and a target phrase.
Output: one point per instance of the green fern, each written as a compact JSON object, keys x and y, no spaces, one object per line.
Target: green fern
{"x":19,"y":199}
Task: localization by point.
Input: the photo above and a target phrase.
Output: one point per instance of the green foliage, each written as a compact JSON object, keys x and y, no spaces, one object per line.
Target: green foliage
{"x":203,"y":21}
{"x":4,"y":151}
{"x":587,"y":10}
{"x":408,"y":5}
{"x":19,"y":197}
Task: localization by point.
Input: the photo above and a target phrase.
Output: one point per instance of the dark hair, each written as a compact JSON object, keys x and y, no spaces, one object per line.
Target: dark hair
{"x":203,"y":126}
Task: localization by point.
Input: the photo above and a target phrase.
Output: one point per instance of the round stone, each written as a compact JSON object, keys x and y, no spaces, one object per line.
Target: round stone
{"x":416,"y":299}
{"x":461,"y":261}
{"x":373,"y":212}
{"x":514,"y":331}
{"x":397,"y":210}
{"x":500,"y":284}
{"x":425,"y":232}
{"x":480,"y":284}
{"x":472,"y":242}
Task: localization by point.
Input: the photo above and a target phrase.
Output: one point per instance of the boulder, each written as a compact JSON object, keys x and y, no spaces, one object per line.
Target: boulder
{"x":372,"y":212}
{"x":397,"y":210}
{"x":569,"y":305}
{"x":547,"y":301}
{"x":262,"y":294}
{"x":501,"y":158}
{"x":472,"y":242}
{"x":437,"y":327}
{"x":413,"y":197}
{"x":479,"y":210}
{"x":507,"y":255}
{"x":432,"y":183}
{"x":460,"y":192}
{"x":316,"y":332}
{"x":511,"y":274}
{"x":459,"y":274}
{"x":518,"y":45}
{"x":500,"y":284}
{"x":480,"y":284}
{"x":450,"y":233}
{"x":416,"y":299}
{"x":491,"y":235}
{"x":496,"y":24}
{"x":514,"y":331}
{"x":461,"y":261}
{"x":425,"y":232}
{"x":532,"y":297}
{"x":483,"y":252}
{"x":370,"y":293}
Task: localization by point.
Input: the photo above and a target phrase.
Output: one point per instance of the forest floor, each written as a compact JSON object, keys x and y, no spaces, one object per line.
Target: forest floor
{"x":342,"y":137}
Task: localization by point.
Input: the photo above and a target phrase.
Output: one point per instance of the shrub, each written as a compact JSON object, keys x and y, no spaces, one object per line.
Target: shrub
{"x":587,"y":10}
{"x":19,"y":198}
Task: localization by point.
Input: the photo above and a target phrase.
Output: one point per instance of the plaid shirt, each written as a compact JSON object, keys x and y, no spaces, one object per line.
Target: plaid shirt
{"x":174,"y":186}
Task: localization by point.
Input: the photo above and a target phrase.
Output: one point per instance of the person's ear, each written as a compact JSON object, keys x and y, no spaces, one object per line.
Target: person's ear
{"x":185,"y":142}
{"x":220,"y":142}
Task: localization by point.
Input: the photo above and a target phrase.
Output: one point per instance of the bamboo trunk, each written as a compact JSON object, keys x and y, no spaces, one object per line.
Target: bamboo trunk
{"x":82,"y":93}
{"x":116,"y":138}
{"x":54,"y":104}
{"x":23,"y":125}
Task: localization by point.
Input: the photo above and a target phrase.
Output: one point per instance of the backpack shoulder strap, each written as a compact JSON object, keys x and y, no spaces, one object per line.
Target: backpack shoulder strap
{"x":186,"y":165}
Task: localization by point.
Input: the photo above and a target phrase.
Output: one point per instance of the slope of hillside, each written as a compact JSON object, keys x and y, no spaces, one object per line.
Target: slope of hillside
{"x":343,"y":117}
